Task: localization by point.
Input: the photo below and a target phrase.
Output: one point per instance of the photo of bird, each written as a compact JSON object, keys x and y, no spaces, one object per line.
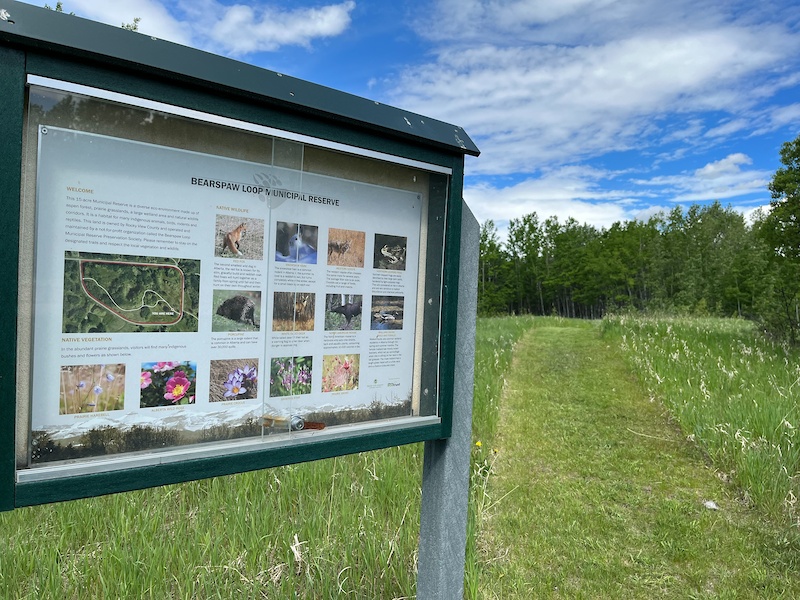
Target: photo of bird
{"x":390,"y":252}
{"x":387,"y":312}
{"x":394,"y":254}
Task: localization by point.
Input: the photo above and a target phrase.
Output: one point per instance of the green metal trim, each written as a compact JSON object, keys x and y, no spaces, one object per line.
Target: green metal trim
{"x":220,"y":102}
{"x":450,"y":316}
{"x":12,"y":80}
{"x":431,"y":339}
{"x":81,"y":39}
{"x":86,"y":486}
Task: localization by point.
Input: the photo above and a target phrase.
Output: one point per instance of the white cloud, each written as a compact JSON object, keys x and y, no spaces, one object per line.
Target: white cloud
{"x":534,"y":105}
{"x":583,"y":22}
{"x":566,"y":192}
{"x":780,"y":116}
{"x":717,"y":180}
{"x":156,"y":20}
{"x":725,"y":167}
{"x":233,"y":30}
{"x":727,"y":127}
{"x":595,"y":196}
{"x":243,"y":30}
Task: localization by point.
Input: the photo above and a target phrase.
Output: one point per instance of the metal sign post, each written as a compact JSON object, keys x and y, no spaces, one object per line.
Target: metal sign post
{"x":445,"y":479}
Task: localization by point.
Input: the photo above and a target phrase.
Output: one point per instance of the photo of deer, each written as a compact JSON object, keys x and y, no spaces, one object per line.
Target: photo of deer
{"x":293,"y":311}
{"x":346,"y":247}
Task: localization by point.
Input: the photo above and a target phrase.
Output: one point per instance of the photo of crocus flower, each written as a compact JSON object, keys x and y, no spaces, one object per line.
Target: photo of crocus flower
{"x":290,"y":376}
{"x":340,"y":372}
{"x":167,"y":383}
{"x":92,"y":388}
{"x":233,"y":379}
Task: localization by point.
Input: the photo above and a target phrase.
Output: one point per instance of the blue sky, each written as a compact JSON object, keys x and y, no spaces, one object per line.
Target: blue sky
{"x":600,"y":110}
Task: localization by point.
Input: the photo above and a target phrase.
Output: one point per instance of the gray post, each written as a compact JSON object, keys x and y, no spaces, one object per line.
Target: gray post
{"x":445,"y":476}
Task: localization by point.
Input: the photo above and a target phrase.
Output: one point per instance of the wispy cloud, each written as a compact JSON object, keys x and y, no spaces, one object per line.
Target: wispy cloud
{"x":601,"y":198}
{"x":569,"y":191}
{"x":580,"y":82}
{"x":544,"y":104}
{"x":230,"y":29}
{"x":243,"y":30}
{"x":718,"y":180}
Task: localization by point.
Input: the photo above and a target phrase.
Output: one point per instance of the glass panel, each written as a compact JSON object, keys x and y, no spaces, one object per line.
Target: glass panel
{"x":194,"y":285}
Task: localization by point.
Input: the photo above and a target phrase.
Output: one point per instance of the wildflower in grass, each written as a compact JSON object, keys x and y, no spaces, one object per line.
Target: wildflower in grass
{"x":303,"y":375}
{"x":234,"y":379}
{"x":163,"y":367}
{"x":177,"y":386}
{"x":109,"y":377}
{"x":290,"y":376}
{"x":478,"y":444}
{"x":340,"y":373}
{"x":248,"y":373}
{"x":234,"y":387}
{"x":166,"y":383}
{"x":87,"y":387}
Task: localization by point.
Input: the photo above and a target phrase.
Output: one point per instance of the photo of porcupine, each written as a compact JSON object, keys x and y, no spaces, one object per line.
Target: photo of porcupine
{"x":236,"y":310}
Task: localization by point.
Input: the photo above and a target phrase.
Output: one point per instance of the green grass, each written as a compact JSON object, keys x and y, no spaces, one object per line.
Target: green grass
{"x":582,"y":487}
{"x":495,"y":342}
{"x":356,"y":519}
{"x":353,"y":522}
{"x":733,"y":392}
{"x":590,"y":491}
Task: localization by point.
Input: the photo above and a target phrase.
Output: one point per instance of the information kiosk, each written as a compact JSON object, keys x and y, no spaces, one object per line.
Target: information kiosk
{"x":209,"y":267}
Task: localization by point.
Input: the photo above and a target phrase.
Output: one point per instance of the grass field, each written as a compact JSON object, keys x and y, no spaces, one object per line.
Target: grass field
{"x":583,"y":486}
{"x":340,"y":528}
{"x":590,"y":490}
{"x":733,"y":392}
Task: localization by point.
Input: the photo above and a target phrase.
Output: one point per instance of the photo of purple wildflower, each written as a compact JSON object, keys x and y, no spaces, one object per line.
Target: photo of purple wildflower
{"x":235,"y":379}
{"x":92,"y":388}
{"x":290,"y":376}
{"x":167,"y":383}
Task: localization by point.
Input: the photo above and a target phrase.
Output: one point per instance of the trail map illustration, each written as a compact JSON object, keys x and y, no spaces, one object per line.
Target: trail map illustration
{"x":116,"y":293}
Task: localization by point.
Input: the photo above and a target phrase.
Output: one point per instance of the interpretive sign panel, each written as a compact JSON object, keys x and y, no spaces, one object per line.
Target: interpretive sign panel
{"x":183,"y":298}
{"x":212,"y":268}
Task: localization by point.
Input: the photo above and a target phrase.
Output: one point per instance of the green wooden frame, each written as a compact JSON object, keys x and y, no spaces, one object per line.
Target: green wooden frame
{"x":44,"y":43}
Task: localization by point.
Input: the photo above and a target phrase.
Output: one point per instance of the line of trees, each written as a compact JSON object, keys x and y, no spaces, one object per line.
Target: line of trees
{"x":707,"y":260}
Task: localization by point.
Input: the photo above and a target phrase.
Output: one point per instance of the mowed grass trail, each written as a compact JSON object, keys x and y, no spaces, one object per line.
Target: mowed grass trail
{"x":591,"y":491}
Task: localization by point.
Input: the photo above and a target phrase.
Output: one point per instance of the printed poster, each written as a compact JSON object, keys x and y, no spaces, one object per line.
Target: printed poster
{"x":197,"y":298}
